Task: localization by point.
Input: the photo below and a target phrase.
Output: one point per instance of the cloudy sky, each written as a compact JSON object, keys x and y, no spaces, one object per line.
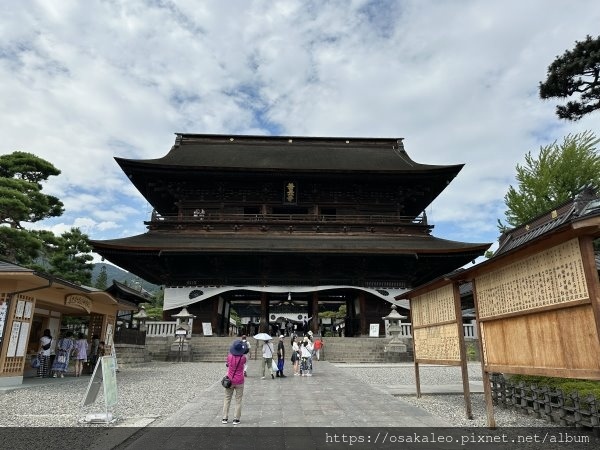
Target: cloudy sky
{"x":84,"y":81}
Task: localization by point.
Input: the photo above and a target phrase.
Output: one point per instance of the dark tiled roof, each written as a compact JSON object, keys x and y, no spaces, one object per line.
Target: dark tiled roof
{"x":290,"y":153}
{"x":585,"y":204}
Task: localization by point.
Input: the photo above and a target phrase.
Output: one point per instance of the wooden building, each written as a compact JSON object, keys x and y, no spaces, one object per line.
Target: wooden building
{"x":32,"y":301}
{"x":259,"y":220}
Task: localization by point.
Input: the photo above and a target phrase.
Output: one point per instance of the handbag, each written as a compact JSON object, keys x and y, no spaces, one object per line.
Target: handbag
{"x":61,"y":358}
{"x":47,"y":346}
{"x":35,"y":362}
{"x":226,"y":382}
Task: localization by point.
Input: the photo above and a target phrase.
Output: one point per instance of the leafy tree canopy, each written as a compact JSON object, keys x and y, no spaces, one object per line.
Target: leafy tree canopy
{"x":102,"y":279}
{"x":575,"y":73}
{"x":21,"y":199}
{"x":67,"y":256}
{"x":558,"y":173}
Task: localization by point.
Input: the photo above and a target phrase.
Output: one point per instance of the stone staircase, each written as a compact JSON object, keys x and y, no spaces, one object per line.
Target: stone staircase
{"x":336,"y":349}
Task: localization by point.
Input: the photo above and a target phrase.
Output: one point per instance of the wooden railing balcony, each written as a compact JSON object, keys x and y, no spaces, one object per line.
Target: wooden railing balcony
{"x":291,"y":223}
{"x":362,"y":219}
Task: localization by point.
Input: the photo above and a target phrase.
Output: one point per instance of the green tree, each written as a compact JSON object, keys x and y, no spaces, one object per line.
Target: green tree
{"x":21,"y":199}
{"x":575,"y":73}
{"x":102,"y":279}
{"x":18,"y":246}
{"x":67,"y":256}
{"x":558,"y":173}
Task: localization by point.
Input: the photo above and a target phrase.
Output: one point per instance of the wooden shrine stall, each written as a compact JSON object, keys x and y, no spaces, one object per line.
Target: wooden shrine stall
{"x":31,"y":302}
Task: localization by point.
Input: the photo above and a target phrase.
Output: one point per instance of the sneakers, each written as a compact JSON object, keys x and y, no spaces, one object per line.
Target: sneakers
{"x":262,"y":378}
{"x":236,"y":421}
{"x":225,"y":421}
{"x":272,"y":376}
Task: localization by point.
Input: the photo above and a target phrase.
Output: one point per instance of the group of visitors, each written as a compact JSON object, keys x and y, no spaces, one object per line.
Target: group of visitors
{"x":237,"y":365}
{"x":66,"y":348}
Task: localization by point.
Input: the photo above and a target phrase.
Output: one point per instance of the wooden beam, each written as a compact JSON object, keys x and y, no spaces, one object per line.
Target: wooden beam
{"x":463,"y":354}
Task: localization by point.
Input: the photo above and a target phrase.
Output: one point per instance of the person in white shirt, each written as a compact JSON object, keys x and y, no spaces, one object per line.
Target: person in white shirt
{"x":306,"y":355}
{"x":267,"y":353}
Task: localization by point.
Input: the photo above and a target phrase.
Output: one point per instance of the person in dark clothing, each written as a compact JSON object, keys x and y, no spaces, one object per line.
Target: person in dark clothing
{"x":280,"y":357}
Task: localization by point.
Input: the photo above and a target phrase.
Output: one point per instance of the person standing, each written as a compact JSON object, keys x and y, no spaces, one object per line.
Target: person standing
{"x":280,"y":356}
{"x":318,"y":346}
{"x":306,"y":355}
{"x":43,"y":370}
{"x":81,"y":353}
{"x":267,"y":353}
{"x":64,"y":347}
{"x":295,"y":356}
{"x":235,"y":372}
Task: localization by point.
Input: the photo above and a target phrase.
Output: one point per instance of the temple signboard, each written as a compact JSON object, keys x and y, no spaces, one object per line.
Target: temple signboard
{"x":79,"y":300}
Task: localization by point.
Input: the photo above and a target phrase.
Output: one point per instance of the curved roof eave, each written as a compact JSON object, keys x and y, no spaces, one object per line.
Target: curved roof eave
{"x":172,"y":242}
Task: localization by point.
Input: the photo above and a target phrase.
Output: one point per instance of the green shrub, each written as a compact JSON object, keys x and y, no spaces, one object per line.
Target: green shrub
{"x":567,"y":385}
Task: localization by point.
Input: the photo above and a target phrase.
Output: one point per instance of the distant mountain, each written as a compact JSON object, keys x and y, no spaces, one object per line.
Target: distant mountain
{"x":122,"y":276}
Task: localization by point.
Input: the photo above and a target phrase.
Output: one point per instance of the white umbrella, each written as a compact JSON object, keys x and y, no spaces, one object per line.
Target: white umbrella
{"x":263,"y":337}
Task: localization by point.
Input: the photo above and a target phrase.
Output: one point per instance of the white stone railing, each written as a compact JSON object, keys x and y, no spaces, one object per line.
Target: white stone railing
{"x":168,"y":329}
{"x":469,"y":330}
{"x":161,"y":328}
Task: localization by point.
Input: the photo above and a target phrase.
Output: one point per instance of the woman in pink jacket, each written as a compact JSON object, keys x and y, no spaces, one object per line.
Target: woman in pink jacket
{"x":235,"y":372}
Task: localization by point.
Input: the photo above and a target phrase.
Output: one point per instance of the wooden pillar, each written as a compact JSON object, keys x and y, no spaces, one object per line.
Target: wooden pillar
{"x":463,"y":354}
{"x":487,"y":390}
{"x":263,"y":326}
{"x":586,"y":245}
{"x":363,"y":316}
{"x":315,"y":313}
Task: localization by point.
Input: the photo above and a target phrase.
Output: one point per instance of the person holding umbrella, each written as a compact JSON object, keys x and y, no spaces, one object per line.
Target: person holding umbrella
{"x":235,"y":372}
{"x":267,"y":353}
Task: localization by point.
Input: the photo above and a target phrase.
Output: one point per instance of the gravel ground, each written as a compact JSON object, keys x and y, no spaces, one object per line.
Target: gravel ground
{"x":155,"y":390}
{"x":449,"y":407}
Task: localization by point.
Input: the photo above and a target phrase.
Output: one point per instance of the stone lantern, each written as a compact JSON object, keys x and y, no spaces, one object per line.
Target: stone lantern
{"x":181,"y":345}
{"x":395,"y":347}
{"x":141,"y":316}
{"x":184,"y":320}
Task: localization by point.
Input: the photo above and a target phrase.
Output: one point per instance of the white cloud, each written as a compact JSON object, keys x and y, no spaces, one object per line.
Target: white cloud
{"x":83,"y":82}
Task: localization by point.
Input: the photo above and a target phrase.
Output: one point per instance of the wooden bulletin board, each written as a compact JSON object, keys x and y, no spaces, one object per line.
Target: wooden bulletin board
{"x":438,"y":333}
{"x":538,"y":314}
{"x":536,"y":317}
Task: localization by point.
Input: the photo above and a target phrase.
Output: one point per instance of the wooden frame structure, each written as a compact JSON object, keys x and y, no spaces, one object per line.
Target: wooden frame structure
{"x":537,"y":301}
{"x":438,"y":332}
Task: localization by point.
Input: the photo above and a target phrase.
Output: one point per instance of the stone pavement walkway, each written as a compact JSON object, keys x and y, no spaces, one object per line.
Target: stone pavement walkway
{"x":329,"y":398}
